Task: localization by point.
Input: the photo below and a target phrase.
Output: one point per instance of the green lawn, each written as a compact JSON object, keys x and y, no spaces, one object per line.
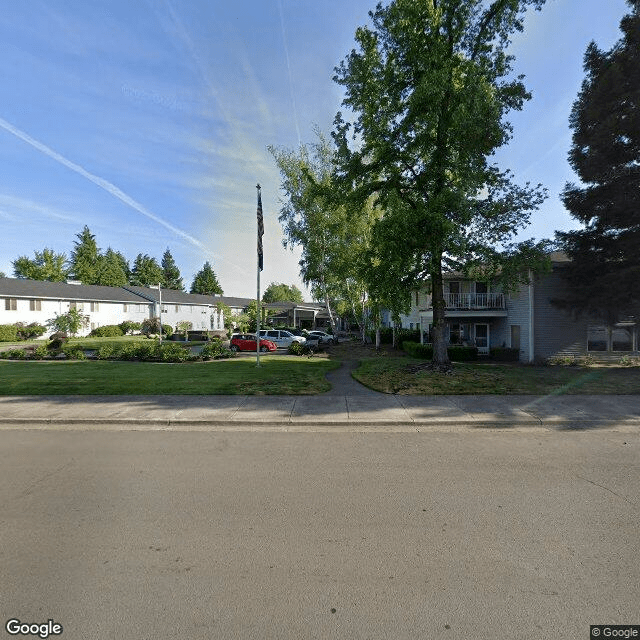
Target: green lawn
{"x":276,"y":375}
{"x":394,"y":375}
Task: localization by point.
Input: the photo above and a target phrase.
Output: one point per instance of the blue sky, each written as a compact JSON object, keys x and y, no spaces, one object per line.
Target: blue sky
{"x":148,"y":121}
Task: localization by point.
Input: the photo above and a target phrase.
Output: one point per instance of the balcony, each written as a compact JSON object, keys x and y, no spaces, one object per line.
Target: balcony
{"x":474,"y":301}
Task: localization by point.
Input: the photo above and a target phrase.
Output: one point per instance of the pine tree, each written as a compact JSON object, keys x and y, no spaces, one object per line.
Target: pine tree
{"x":604,"y":273}
{"x":111,"y":272}
{"x":85,"y":257}
{"x":146,"y":271}
{"x":171,"y":273}
{"x":205,"y":282}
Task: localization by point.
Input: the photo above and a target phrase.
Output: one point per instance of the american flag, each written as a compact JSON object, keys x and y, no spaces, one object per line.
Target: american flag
{"x":260,"y":230}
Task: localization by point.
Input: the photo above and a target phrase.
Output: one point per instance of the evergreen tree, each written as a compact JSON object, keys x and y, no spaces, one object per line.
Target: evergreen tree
{"x":47,"y":265}
{"x":205,"y":282}
{"x":604,"y":273}
{"x":146,"y":271}
{"x":110,"y":270}
{"x":171,"y":273}
{"x":85,"y":257}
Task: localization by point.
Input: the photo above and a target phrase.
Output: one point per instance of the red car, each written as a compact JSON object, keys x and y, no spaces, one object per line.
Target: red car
{"x":247,"y":342}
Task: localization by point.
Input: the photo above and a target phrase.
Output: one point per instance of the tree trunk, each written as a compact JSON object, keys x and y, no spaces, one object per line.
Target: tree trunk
{"x":440,"y":355}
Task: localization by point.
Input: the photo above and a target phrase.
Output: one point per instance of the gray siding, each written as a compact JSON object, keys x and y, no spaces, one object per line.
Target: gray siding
{"x":518,"y":314}
{"x":557,"y":331}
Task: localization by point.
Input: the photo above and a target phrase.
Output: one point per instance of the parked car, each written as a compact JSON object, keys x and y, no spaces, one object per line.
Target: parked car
{"x":247,"y":342}
{"x":281,"y":338}
{"x":322,"y":337}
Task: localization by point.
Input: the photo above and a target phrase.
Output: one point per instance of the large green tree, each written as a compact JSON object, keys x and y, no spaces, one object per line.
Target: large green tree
{"x":429,"y":87}
{"x":46,"y":265}
{"x":280,"y":292}
{"x":205,"y":282}
{"x":604,"y":273}
{"x":111,"y":272}
{"x":171,"y":273}
{"x":146,"y":272}
{"x":331,"y":232}
{"x":84,"y":261}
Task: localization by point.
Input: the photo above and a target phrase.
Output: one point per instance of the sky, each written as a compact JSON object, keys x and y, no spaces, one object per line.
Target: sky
{"x":149,"y":121}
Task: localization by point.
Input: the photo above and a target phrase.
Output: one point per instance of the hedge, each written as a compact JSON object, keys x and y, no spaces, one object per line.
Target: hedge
{"x":8,"y":333}
{"x":504,"y":354}
{"x":107,"y":331}
{"x":456,"y":353}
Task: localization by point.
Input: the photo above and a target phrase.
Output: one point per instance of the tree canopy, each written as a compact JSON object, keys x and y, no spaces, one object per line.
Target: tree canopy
{"x":46,"y":265}
{"x":171,"y":274}
{"x":429,"y":87}
{"x":280,"y":292}
{"x":85,"y":257}
{"x":146,"y":272}
{"x":205,"y":282}
{"x":604,"y":272}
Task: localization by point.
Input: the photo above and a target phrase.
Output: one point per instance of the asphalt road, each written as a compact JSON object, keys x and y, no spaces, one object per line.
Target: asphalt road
{"x":489,"y":534}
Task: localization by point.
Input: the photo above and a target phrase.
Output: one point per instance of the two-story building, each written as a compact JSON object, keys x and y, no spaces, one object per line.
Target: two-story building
{"x":479,"y":313}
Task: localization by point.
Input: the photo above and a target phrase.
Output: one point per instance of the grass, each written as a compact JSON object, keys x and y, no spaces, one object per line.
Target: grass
{"x":276,"y":375}
{"x":391,"y":375}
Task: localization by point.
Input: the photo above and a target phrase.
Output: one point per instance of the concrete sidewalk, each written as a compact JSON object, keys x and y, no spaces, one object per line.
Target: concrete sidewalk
{"x":364,"y":412}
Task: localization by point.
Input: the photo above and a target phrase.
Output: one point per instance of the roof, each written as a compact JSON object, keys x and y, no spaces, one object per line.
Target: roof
{"x":238,"y":303}
{"x":23,"y":288}
{"x":172,"y":296}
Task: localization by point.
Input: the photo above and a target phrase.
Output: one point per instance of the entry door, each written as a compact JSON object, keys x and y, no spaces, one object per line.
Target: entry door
{"x":482,"y":338}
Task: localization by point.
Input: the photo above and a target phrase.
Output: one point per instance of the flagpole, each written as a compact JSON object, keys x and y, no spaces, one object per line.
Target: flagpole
{"x":258,"y":314}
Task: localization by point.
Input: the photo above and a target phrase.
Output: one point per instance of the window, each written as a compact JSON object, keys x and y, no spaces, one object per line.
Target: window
{"x":10,"y":304}
{"x":124,"y":307}
{"x":95,"y":306}
{"x":177,"y":308}
{"x":622,"y":338}
{"x":515,"y":336}
{"x":76,"y":305}
{"x":597,"y":338}
{"x":164,"y":308}
{"x":454,"y":287}
{"x":35,"y":305}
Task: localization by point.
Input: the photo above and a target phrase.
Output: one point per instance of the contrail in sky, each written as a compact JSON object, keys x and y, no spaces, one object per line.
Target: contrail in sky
{"x":101,"y":182}
{"x":286,"y":54}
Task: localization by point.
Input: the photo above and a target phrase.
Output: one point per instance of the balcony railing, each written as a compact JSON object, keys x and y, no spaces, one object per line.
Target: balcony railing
{"x":474,"y":301}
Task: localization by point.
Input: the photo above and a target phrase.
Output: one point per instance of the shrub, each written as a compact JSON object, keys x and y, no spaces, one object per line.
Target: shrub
{"x":14,"y":354}
{"x":57,"y":341}
{"x":74,"y":352}
{"x":174,"y":352}
{"x":504,"y":354}
{"x":297,"y":349}
{"x":417,"y":350}
{"x":108,"y":352}
{"x":456,"y":353}
{"x":462,"y":354}
{"x":28,"y":331}
{"x":152,"y":326}
{"x":129,"y":326}
{"x":214,"y":349}
{"x":107,"y":331}
{"x":8,"y":333}
{"x":40,"y":352}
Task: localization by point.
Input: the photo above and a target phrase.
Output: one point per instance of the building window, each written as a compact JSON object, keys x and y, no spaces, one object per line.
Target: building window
{"x":11,"y":304}
{"x":597,"y":338}
{"x":124,"y":307}
{"x":164,"y":308}
{"x":76,"y":305}
{"x":515,"y":336}
{"x":35,"y":305}
{"x":622,"y":338}
{"x":177,"y":308}
{"x":95,"y":306}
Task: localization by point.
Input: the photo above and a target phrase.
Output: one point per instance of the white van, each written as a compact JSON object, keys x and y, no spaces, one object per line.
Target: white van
{"x":282,"y":338}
